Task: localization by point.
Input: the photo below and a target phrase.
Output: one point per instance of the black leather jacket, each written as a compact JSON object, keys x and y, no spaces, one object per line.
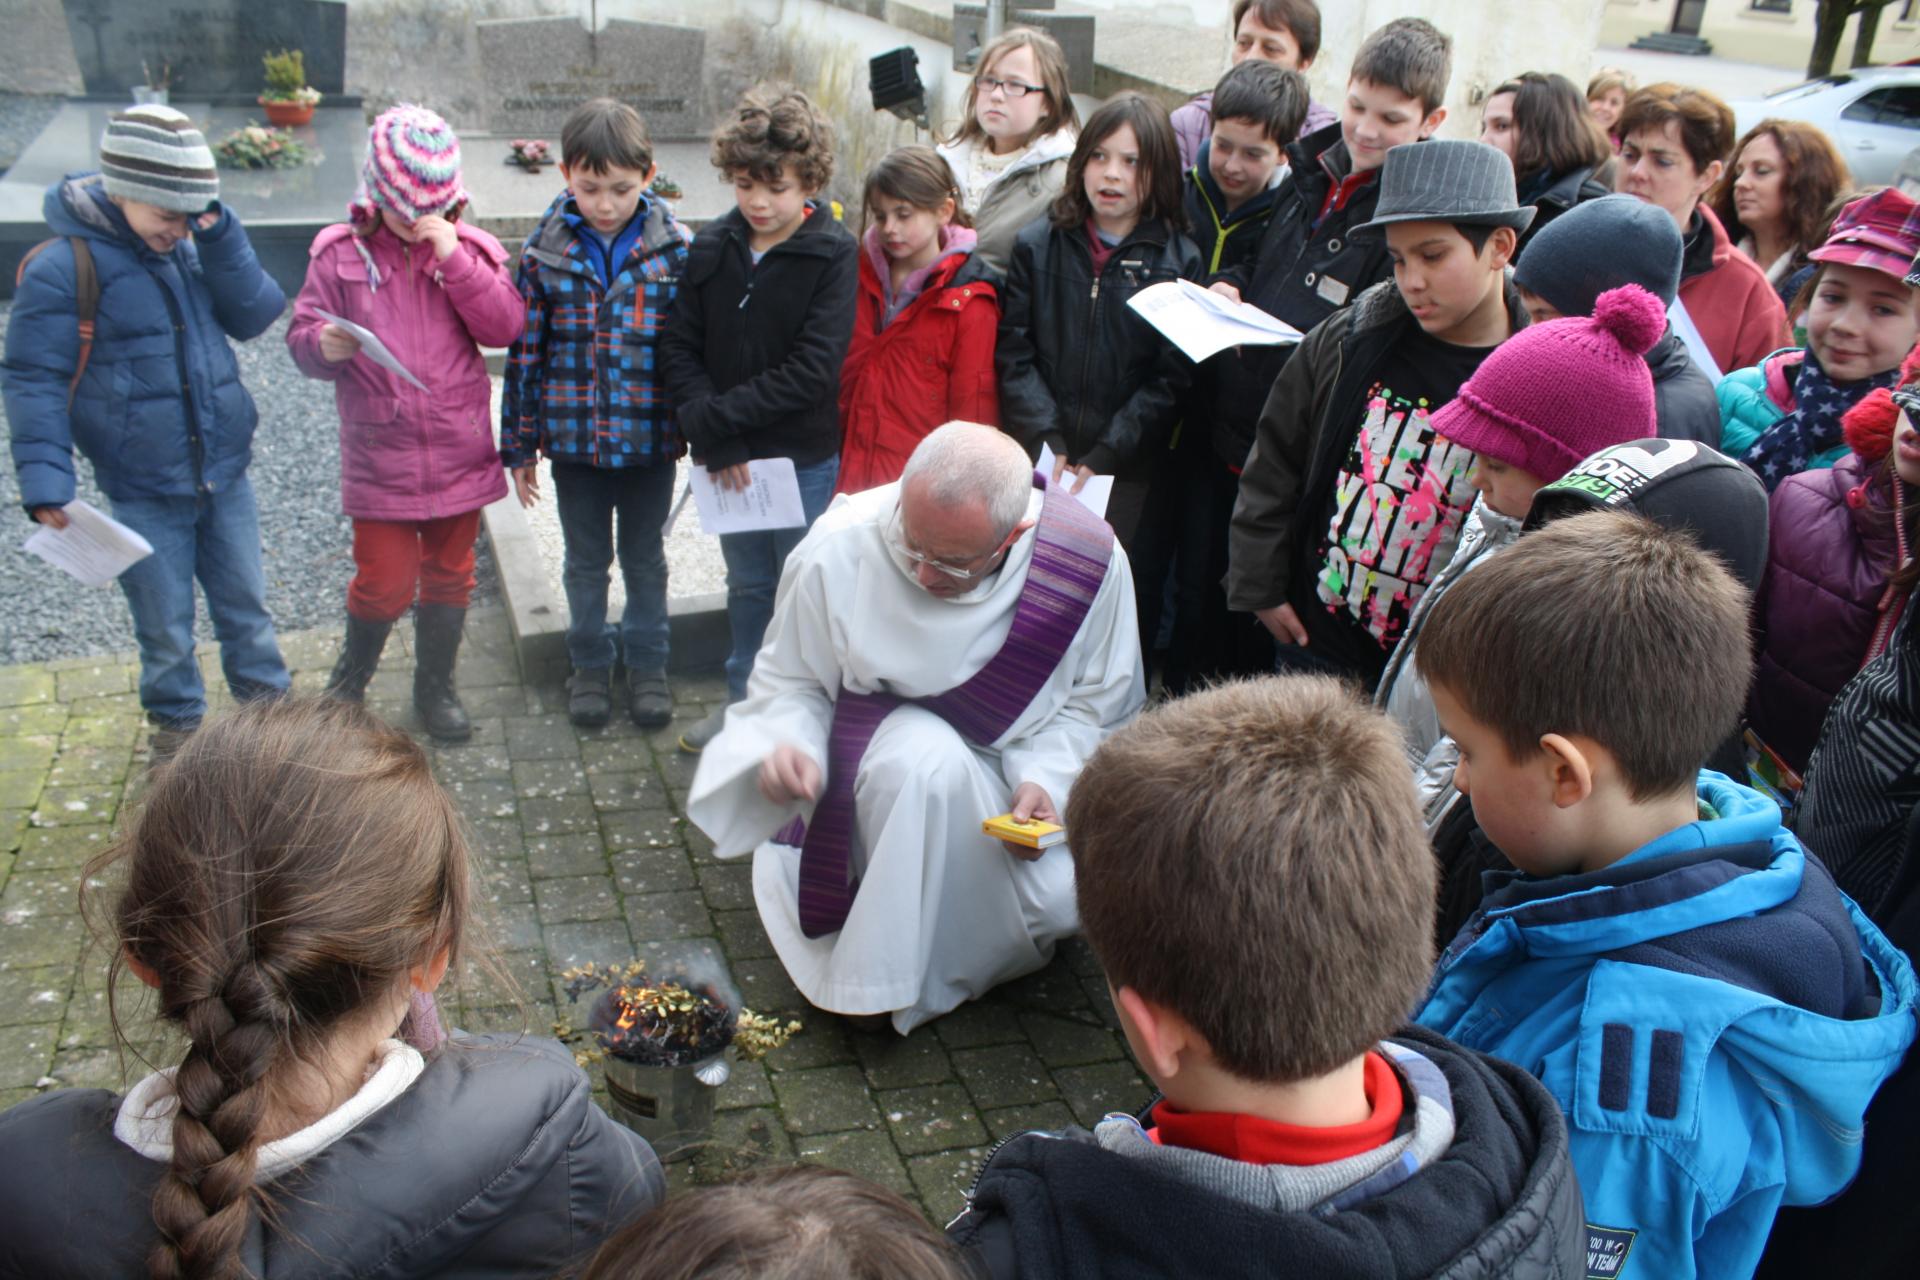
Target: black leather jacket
{"x":1079,"y":369}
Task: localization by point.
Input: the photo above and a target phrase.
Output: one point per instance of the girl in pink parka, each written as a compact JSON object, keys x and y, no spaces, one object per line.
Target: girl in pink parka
{"x":416,"y":465}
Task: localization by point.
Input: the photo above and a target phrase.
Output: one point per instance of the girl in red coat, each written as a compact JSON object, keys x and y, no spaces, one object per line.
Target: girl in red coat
{"x":922,"y":352}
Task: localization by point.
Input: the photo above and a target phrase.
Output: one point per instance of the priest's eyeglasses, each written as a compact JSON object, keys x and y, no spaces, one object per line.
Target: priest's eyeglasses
{"x":896,"y":539}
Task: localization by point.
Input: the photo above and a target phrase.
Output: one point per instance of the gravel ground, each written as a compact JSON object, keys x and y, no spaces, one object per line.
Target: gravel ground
{"x":308,"y":542}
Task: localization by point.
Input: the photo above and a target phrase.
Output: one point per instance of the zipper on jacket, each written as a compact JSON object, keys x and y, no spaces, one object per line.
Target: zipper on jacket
{"x":1086,"y":358}
{"x":418,"y":327}
{"x":197,"y":445}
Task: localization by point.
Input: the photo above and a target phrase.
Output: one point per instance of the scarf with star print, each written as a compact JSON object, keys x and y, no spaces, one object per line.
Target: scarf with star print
{"x":1813,"y":425}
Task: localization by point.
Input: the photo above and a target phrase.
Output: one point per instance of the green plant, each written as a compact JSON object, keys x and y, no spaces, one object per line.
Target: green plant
{"x":287,"y":78}
{"x":664,"y":187}
{"x":258,"y":147}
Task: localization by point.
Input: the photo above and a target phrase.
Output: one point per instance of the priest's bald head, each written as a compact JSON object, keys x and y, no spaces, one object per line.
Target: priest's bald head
{"x":963,"y":504}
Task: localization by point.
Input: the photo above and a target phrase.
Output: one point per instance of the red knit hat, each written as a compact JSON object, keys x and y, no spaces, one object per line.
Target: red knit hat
{"x":1556,"y":392}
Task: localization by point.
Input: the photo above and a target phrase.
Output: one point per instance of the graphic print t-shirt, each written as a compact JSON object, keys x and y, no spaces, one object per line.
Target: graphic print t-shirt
{"x":1401,"y":493}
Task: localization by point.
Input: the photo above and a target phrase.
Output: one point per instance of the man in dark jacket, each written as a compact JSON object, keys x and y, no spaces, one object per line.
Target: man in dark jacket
{"x":1299,"y":1133}
{"x":1600,"y":245}
{"x":153,"y":397}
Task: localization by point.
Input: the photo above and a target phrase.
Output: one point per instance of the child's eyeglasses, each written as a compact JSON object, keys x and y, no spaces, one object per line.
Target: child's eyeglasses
{"x":1908,"y":398}
{"x":1012,"y":88}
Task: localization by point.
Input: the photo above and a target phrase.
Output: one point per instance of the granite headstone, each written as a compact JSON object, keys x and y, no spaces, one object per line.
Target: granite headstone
{"x":540,"y":69}
{"x":213,"y":47}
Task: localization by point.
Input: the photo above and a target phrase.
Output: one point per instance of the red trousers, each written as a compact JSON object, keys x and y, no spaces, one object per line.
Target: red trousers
{"x":392,"y":557}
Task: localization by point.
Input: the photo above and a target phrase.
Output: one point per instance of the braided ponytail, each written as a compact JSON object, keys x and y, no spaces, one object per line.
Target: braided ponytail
{"x":288,"y":870}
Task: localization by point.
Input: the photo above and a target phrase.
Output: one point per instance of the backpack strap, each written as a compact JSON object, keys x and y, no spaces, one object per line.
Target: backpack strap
{"x":86,"y":296}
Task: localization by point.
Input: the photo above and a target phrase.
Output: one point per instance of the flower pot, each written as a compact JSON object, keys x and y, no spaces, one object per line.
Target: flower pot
{"x":284,"y":114}
{"x":147,"y":96}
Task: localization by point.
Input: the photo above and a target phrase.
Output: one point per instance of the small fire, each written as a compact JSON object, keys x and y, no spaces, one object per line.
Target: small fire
{"x":665,"y":1022}
{"x":671,"y":1020}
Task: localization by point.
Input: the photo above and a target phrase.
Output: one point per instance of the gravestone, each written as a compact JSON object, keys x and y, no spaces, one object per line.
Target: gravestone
{"x":37,"y":56}
{"x":214,"y":47}
{"x":540,"y":69}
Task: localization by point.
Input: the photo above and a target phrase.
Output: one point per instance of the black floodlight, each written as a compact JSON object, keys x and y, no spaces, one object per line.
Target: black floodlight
{"x":893,"y":78}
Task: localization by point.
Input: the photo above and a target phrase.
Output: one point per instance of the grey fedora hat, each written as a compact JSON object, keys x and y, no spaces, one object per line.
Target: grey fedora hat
{"x":1448,"y":180}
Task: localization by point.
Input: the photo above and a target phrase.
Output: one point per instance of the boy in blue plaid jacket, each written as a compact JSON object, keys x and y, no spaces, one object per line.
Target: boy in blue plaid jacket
{"x":583,"y":386}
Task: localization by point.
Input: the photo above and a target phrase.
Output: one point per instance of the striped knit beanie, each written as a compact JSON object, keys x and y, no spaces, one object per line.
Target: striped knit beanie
{"x":154,"y":155}
{"x":413,"y":166}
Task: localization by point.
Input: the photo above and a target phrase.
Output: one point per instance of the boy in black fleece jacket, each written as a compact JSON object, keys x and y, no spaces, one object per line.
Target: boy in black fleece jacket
{"x":1232,"y":192}
{"x":1263,"y":927}
{"x":753,"y":347}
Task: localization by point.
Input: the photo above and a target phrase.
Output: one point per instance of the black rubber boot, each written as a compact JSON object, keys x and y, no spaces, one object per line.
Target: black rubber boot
{"x":359,"y":659}
{"x":436,"y":642}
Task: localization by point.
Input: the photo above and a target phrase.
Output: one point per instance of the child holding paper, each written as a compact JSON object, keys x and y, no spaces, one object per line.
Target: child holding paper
{"x":157,"y":404}
{"x":1080,"y":370}
{"x":755,"y":342}
{"x":417,"y":460}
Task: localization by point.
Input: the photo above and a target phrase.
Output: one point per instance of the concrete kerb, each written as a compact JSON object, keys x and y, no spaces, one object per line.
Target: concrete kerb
{"x":537,"y":611}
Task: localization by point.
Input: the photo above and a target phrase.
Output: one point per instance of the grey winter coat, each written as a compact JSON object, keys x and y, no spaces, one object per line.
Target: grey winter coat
{"x":1404,"y":695}
{"x":1020,"y":195}
{"x":495,"y":1163}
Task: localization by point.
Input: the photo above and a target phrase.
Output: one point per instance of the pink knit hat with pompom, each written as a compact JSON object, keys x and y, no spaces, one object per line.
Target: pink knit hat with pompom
{"x":1555,"y":393}
{"x":412,"y":168}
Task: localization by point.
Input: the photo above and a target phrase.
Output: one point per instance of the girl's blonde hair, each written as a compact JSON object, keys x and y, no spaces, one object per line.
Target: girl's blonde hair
{"x":287,"y":871}
{"x":1051,"y":63}
{"x":917,"y":174}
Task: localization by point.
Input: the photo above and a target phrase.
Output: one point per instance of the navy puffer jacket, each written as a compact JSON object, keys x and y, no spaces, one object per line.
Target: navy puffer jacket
{"x":160,"y":411}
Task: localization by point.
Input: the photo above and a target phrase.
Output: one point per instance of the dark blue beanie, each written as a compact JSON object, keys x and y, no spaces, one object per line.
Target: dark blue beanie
{"x":1600,"y":245}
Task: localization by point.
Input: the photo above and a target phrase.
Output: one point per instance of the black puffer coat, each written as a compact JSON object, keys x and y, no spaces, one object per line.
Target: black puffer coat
{"x":1079,"y":369}
{"x":1502,"y":1201}
{"x":495,"y":1163}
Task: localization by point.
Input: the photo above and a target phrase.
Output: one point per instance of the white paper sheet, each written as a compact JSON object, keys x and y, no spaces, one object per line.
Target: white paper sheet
{"x":371,"y":347}
{"x":1093,"y":492}
{"x":1202,"y":323}
{"x":94,"y":547}
{"x":770,"y":501}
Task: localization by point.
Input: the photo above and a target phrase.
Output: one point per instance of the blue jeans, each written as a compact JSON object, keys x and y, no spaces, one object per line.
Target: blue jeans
{"x":754,"y":561}
{"x":589,"y":499}
{"x":215,"y":538}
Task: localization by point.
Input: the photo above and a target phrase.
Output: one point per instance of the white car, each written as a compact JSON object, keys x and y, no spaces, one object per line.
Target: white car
{"x":1871,"y":113}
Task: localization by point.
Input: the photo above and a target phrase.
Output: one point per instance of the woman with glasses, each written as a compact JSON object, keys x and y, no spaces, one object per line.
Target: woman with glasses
{"x":1010,"y":153}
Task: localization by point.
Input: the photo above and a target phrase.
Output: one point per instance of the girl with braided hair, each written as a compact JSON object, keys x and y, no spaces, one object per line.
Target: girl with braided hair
{"x":293,"y":885}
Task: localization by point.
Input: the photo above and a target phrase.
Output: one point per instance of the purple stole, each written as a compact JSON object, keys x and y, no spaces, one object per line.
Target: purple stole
{"x":1071,"y":550}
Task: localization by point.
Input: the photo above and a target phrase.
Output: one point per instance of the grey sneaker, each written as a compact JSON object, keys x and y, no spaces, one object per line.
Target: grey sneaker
{"x":695,"y":740}
{"x":648,"y":701}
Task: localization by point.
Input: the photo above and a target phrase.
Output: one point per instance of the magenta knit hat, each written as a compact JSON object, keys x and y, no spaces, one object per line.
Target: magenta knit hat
{"x":1556,"y":392}
{"x":413,"y":165}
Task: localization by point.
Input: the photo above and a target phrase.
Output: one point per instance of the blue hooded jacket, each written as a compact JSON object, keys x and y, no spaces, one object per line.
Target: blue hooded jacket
{"x":1712,"y":1015}
{"x":160,"y":411}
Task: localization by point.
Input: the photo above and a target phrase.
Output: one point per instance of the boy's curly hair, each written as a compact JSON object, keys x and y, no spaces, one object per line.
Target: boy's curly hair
{"x":772,"y":126}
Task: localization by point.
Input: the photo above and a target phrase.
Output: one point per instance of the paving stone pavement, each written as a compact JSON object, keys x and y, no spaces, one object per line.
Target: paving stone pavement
{"x":583,"y":853}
